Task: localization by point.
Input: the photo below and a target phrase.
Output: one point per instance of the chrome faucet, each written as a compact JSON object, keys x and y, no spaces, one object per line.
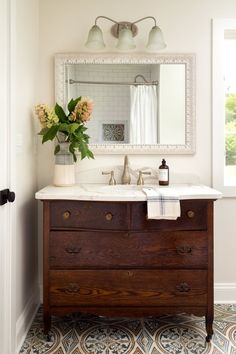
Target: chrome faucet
{"x":126,"y":179}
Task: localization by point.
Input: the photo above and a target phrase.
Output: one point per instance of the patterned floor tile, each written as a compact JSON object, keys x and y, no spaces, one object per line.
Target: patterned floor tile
{"x":145,"y":341}
{"x":107,"y":339}
{"x":178,"y":339}
{"x":89,"y":334}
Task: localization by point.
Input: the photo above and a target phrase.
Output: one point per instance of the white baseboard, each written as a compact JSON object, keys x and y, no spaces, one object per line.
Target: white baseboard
{"x":25,"y":320}
{"x":225,"y":293}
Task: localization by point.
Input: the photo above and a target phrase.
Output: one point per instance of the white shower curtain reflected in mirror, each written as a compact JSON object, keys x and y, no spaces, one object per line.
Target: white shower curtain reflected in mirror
{"x":143,"y":114}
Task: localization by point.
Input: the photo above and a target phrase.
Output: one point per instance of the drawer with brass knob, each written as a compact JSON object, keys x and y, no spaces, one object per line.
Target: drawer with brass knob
{"x":100,"y":250}
{"x":128,"y":288}
{"x":193,"y":217}
{"x":89,"y":215}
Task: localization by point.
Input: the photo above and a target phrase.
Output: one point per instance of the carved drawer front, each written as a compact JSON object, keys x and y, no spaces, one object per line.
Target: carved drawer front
{"x":128,"y":288}
{"x":88,"y":215}
{"x":193,"y":217}
{"x":106,"y":249}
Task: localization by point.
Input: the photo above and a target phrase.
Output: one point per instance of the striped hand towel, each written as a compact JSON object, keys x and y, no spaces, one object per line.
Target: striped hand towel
{"x":162,"y":203}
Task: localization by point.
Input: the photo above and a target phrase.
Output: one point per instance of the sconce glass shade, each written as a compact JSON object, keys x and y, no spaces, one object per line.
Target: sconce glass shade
{"x":95,"y":39}
{"x":155,"y":39}
{"x":125,"y":40}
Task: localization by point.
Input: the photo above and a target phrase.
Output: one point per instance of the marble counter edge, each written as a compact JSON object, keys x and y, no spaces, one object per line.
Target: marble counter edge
{"x":68,"y":193}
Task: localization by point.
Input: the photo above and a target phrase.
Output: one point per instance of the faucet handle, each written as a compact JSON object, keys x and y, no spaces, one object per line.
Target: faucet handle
{"x":112,"y":180}
{"x":140,"y":180}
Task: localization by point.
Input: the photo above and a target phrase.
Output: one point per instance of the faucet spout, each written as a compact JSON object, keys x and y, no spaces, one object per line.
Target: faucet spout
{"x":126,"y":179}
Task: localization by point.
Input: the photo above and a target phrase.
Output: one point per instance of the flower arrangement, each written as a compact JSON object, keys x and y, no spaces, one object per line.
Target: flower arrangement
{"x":67,"y":128}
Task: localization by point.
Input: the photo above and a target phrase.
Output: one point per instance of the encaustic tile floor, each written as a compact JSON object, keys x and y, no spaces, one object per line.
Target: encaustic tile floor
{"x":88,"y":334}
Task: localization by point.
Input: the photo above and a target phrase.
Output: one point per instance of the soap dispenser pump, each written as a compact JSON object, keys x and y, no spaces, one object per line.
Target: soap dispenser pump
{"x":163,"y":174}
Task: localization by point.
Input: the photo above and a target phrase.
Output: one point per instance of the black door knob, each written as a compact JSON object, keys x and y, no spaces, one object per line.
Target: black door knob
{"x":11,"y":197}
{"x":6,"y":196}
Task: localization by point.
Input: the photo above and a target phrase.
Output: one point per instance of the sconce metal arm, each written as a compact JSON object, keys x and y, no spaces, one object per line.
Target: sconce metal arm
{"x":107,"y":18}
{"x":133,"y":23}
{"x":144,"y":18}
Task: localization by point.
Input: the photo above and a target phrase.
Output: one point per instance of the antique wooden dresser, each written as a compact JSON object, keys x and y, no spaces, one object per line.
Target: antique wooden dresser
{"x":107,"y":258}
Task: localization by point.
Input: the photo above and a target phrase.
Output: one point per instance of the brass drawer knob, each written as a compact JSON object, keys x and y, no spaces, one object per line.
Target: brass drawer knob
{"x":183,"y":288}
{"x":190,"y":214}
{"x":66,"y":215}
{"x":183,"y":250}
{"x":109,"y":216}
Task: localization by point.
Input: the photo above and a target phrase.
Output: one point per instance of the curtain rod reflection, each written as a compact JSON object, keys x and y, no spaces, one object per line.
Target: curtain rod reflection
{"x":135,"y":82}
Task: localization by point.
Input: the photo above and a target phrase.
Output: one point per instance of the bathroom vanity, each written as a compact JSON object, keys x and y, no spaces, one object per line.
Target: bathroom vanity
{"x":103,"y":256}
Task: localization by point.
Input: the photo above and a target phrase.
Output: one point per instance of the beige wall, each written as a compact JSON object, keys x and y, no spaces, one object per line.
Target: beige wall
{"x":25,"y":64}
{"x":186,"y":25}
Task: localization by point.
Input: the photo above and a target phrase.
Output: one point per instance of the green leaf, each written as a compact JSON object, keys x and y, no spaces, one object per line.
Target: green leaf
{"x":43,"y":131}
{"x":83,"y":128}
{"x":71,"y":105}
{"x":68,"y":128}
{"x":72,"y":127}
{"x":74,"y":157}
{"x":86,"y":138}
{"x":90,"y":154}
{"x":72,"y":151}
{"x":57,"y":149}
{"x":60,"y":113}
{"x":83,"y":149}
{"x":50,"y":134}
{"x":64,"y":127}
{"x":71,"y":148}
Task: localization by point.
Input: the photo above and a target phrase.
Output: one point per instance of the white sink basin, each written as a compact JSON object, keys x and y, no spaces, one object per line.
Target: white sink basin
{"x":121,"y":188}
{"x":115,"y":192}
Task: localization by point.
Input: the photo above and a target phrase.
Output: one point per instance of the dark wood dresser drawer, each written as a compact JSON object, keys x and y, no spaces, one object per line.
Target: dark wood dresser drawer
{"x":128,"y":288}
{"x":87,"y":249}
{"x":193,"y":217}
{"x":88,"y":215}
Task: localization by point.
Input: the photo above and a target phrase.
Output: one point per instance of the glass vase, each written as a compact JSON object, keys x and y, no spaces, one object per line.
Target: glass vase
{"x":64,"y":169}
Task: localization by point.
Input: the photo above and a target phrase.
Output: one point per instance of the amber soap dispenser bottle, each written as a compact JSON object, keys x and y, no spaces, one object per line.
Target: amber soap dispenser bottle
{"x":163,"y":174}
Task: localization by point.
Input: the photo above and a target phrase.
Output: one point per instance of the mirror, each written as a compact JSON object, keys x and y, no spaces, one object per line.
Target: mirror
{"x":142,"y":104}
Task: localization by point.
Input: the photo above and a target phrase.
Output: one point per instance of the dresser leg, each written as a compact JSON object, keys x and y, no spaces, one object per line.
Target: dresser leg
{"x":47,"y":324}
{"x":209,"y":328}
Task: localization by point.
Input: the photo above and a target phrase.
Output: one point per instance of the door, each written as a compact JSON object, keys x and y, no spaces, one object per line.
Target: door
{"x":7,"y":307}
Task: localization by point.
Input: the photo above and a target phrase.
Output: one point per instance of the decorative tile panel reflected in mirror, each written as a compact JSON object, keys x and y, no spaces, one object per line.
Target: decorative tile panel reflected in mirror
{"x":142,"y":103}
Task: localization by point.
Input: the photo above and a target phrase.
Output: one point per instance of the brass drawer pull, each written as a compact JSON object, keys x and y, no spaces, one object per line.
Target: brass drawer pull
{"x":66,"y":215}
{"x":183,"y":250}
{"x":72,"y":288}
{"x":183,"y":288}
{"x":72,"y":250}
{"x":190,"y":214}
{"x":130,"y":274}
{"x":109,"y":216}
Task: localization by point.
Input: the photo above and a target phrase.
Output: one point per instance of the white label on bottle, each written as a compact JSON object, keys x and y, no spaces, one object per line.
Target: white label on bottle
{"x":163,"y":175}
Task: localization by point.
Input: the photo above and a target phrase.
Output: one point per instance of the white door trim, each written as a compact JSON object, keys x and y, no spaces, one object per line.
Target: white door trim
{"x":7,"y":179}
{"x":218,"y":104}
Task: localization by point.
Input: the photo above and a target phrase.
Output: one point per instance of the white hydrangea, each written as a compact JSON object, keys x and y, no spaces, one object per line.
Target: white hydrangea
{"x":46,"y":115}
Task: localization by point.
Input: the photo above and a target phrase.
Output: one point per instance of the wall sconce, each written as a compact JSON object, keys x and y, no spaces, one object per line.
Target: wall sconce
{"x":125,"y":32}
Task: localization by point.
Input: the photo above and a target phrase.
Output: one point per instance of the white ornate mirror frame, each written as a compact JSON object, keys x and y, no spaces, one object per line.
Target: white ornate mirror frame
{"x":188,"y":60}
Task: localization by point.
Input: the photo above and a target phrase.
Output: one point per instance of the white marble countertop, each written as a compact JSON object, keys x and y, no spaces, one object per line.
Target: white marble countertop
{"x":101,"y":192}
